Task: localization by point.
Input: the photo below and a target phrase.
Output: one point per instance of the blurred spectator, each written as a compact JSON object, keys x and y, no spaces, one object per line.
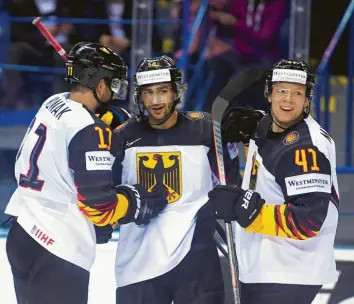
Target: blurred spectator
{"x":115,"y":35}
{"x":28,"y":47}
{"x":109,"y":34}
{"x":257,"y":25}
{"x":127,"y":27}
{"x":178,"y":14}
{"x":117,"y":40}
{"x":247,"y":34}
{"x":101,"y":32}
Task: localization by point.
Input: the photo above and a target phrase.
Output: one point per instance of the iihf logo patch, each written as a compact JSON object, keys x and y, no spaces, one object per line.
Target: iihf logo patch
{"x":291,"y":138}
{"x":34,"y":228}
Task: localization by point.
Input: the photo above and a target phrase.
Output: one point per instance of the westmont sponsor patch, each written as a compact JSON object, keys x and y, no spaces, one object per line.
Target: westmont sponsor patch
{"x":98,"y":160}
{"x":307,"y":183}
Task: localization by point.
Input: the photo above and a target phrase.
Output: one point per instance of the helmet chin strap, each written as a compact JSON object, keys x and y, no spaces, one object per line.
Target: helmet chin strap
{"x":300,"y":118}
{"x":102,"y":106}
{"x":278,"y":124}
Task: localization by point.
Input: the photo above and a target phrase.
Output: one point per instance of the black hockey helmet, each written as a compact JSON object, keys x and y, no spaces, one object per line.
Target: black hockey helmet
{"x":158,"y":70}
{"x":291,"y":71}
{"x":88,"y":63}
{"x":154,"y":64}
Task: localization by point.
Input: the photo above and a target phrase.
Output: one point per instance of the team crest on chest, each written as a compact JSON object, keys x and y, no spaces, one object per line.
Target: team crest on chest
{"x":291,"y":138}
{"x":161,"y":171}
{"x":195,"y":115}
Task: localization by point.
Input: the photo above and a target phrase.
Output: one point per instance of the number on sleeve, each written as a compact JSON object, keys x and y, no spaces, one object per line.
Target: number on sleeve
{"x":30,"y":180}
{"x":28,"y":130}
{"x":254,"y":172}
{"x":102,"y":143}
{"x":301,"y":159}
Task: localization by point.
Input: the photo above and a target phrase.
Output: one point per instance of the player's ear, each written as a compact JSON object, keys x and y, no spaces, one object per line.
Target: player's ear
{"x":269,"y":99}
{"x":306,"y":104}
{"x":101,"y":85}
{"x":100,"y":89}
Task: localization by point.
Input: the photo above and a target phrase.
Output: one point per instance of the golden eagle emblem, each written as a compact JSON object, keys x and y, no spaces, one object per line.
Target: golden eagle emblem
{"x":291,"y":138}
{"x":161,"y":170}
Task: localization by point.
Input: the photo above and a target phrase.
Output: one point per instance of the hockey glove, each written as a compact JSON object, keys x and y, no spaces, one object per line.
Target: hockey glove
{"x":103,"y":233}
{"x":238,"y":124}
{"x":113,"y":116}
{"x":235,"y":204}
{"x":143,"y":205}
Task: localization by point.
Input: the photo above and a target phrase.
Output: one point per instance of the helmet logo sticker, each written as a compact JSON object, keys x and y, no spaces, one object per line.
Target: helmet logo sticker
{"x":70,"y":71}
{"x":104,"y":49}
{"x":152,"y":64}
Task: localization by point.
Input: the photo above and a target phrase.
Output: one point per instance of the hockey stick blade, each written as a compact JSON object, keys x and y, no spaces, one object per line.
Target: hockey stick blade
{"x":234,"y":88}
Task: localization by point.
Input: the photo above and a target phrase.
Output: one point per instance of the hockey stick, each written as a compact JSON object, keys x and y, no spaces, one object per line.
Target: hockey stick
{"x":234,"y":88}
{"x":222,"y":234}
{"x":222,"y":250}
{"x":221,"y":231}
{"x":39,"y":24}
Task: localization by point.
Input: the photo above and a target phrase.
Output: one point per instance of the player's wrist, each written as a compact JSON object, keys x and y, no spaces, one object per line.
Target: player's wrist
{"x":130,"y":198}
{"x":121,"y":208}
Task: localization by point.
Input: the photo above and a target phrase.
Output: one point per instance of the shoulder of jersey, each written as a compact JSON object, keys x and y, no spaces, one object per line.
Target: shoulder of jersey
{"x":262,"y":128}
{"x":196,"y":115}
{"x":74,"y":114}
{"x":128,"y":124}
{"x":320,"y":136}
{"x":307,"y":132}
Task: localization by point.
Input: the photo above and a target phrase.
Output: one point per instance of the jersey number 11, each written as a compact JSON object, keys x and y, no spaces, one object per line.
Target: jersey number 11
{"x":31,"y":180}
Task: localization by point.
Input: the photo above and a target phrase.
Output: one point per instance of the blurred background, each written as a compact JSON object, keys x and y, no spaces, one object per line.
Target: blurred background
{"x":212,"y":40}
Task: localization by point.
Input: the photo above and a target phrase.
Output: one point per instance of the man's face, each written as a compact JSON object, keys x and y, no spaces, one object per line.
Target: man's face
{"x":158,"y":100}
{"x":288,"y":101}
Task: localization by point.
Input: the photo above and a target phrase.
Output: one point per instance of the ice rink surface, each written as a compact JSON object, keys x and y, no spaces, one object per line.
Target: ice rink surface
{"x":102,"y":282}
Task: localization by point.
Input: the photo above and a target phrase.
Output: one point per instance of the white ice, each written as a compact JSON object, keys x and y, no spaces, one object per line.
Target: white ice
{"x":102,"y":282}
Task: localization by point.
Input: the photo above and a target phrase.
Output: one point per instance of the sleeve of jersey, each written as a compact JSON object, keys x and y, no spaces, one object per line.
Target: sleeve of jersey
{"x":231,"y":164}
{"x":91,"y":162}
{"x":304,"y":175}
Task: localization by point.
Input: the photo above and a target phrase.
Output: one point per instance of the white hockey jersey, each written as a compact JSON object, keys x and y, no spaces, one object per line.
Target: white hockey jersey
{"x":292,"y":240}
{"x":181,"y":161}
{"x":64,"y":158}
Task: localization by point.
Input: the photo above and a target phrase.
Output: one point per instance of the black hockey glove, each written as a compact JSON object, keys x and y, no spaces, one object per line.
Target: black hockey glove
{"x":103,"y":233}
{"x":143,"y":205}
{"x":113,"y":116}
{"x":238,"y":124}
{"x":235,"y":204}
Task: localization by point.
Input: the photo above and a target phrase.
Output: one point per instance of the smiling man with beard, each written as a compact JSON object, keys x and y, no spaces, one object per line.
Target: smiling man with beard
{"x":286,"y":213}
{"x":174,"y":258}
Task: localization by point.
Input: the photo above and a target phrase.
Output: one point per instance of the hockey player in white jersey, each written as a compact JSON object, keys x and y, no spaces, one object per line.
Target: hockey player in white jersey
{"x":287,"y":210}
{"x":65,"y":201}
{"x":174,"y":258}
